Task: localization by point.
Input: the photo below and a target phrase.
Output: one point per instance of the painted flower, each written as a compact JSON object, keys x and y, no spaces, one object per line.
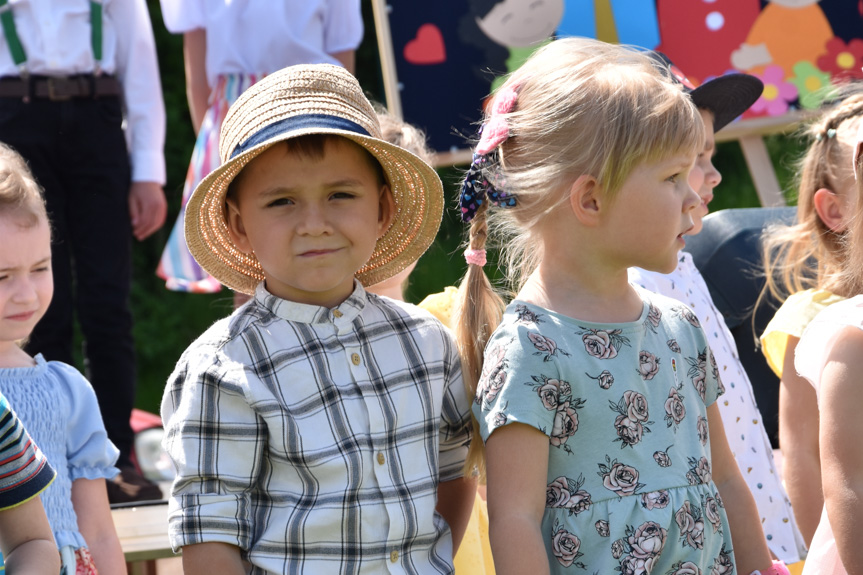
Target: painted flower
{"x":605,"y":379}
{"x":675,"y":411}
{"x":702,"y":429}
{"x":551,"y":391}
{"x":699,"y":471}
{"x":566,"y":493}
{"x":544,"y":345}
{"x":813,"y":85}
{"x":711,"y":513}
{"x":636,"y":405}
{"x":598,"y":343}
{"x":648,"y":365}
{"x":842,"y":61}
{"x":698,"y":373}
{"x":527,"y":316}
{"x":654,"y":316}
{"x":647,"y":541}
{"x":628,"y":432}
{"x":619,"y":478}
{"x":662,"y":459}
{"x":685,"y":568}
{"x":617,"y":548}
{"x":722,"y":565}
{"x":691,"y":526}
{"x":602,"y":528}
{"x":565,"y":424}
{"x":673,"y":345}
{"x":686,"y":314}
{"x":493,"y":375}
{"x":565,"y":546}
{"x":632,"y":565}
{"x":499,"y":420}
{"x":655,"y":500}
{"x":777,"y":93}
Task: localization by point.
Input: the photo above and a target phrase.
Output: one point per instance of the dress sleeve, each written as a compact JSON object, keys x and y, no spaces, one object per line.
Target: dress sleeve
{"x":344,"y":26}
{"x":183,"y":15}
{"x":89,"y":452}
{"x":24,"y":470}
{"x":456,"y":427}
{"x":216,"y":442}
{"x":516,"y":386}
{"x":820,"y":336}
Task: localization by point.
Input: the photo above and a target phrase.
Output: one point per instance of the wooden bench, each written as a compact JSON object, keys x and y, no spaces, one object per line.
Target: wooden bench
{"x":143,"y":533}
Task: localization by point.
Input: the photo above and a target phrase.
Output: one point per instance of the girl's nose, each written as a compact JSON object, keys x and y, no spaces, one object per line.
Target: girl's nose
{"x":24,"y":291}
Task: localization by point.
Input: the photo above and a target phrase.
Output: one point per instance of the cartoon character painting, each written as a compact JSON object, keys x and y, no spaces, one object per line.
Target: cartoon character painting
{"x":786,"y":32}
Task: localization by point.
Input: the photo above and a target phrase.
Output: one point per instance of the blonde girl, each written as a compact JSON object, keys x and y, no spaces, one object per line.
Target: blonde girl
{"x":803,"y":264}
{"x":53,"y":401}
{"x":604,"y":449}
{"x":830,"y":357}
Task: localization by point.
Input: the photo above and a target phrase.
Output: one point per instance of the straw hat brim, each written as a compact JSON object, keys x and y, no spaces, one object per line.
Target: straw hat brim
{"x":417,"y":193}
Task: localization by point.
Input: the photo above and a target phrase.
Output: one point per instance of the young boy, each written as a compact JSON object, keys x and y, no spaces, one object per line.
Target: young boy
{"x":319,"y":429}
{"x":720,"y":101}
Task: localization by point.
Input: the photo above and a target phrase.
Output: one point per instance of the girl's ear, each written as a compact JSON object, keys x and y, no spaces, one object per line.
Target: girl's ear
{"x":585,"y":200}
{"x":236,"y":227}
{"x":829,"y":207}
{"x":386,"y":211}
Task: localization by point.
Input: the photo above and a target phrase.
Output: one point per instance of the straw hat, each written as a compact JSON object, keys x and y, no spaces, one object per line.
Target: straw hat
{"x":298,"y":101}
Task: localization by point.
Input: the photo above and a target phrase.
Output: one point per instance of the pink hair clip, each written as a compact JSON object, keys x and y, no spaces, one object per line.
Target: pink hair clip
{"x":496,"y":130}
{"x":475,"y":257}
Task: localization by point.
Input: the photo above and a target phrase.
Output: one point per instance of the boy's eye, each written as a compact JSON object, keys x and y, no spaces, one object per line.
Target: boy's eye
{"x":279,"y":202}
{"x":673,"y":179}
{"x":342,"y":195}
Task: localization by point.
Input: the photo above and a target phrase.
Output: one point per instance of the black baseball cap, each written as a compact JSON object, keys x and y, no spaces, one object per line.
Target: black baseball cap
{"x":726,"y":96}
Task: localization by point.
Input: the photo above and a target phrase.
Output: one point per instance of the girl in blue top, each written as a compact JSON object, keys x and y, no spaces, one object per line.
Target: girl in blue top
{"x":53,"y":401}
{"x":605,"y":451}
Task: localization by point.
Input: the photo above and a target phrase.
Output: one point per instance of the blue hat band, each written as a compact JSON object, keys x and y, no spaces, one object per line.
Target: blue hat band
{"x":296,"y":123}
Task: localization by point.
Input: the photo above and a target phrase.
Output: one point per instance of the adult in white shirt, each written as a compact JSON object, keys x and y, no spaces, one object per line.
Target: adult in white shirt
{"x":72,"y":72}
{"x":720,"y":101}
{"x":228,"y":46}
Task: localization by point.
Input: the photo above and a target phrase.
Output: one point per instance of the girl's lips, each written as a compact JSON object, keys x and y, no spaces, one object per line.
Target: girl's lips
{"x":21,"y":316}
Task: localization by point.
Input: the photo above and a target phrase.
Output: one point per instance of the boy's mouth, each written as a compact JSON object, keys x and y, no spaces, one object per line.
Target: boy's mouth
{"x":318,"y":253}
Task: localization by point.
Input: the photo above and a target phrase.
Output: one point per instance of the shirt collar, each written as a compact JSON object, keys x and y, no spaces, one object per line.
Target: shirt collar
{"x":344,"y":313}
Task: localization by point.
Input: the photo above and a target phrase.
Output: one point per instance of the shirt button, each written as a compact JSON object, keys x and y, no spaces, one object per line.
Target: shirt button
{"x":381,"y":458}
{"x":394,"y":556}
{"x":355,"y":358}
{"x":337,"y":313}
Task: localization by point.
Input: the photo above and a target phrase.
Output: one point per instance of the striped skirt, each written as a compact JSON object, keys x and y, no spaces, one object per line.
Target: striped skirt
{"x":177,"y":266}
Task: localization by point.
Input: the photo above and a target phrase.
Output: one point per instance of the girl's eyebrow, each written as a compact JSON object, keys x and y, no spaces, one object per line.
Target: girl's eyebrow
{"x":40,"y":262}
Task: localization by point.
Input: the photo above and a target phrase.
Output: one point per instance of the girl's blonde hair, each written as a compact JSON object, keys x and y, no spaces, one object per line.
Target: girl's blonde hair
{"x":809,"y":254}
{"x":582,"y":107}
{"x":403,"y":135}
{"x":20,"y":195}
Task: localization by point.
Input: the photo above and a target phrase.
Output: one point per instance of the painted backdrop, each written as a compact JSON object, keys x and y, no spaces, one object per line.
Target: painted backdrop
{"x":449,"y":52}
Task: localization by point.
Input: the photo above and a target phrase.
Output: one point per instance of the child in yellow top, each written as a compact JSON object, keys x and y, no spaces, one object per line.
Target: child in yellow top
{"x":804,"y":260}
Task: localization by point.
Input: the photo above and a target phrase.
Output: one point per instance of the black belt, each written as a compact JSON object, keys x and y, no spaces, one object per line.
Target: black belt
{"x":59,"y":88}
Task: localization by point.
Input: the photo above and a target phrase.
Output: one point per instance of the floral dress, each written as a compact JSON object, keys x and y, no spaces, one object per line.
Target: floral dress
{"x":625,"y":409}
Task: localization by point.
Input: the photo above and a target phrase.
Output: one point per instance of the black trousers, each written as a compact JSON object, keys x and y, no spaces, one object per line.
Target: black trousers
{"x":77,"y":152}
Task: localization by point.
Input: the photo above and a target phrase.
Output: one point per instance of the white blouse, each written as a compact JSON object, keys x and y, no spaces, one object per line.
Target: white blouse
{"x":262,"y":36}
{"x":742,"y":420}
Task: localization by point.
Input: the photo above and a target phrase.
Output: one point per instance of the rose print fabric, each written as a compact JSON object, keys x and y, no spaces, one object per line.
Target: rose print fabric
{"x":810,"y":358}
{"x":625,"y":409}
{"x":740,"y":415}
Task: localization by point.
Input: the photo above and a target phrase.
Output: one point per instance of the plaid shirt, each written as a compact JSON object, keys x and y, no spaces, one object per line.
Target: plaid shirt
{"x":314,"y":439}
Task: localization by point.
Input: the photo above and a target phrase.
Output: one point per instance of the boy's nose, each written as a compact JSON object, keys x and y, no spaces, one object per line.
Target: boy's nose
{"x":314,"y":220}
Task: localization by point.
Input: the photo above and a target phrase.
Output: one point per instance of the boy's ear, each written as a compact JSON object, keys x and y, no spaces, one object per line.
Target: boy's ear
{"x":236,"y":227}
{"x":386,"y":211}
{"x":585,"y":200}
{"x":829,"y":207}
